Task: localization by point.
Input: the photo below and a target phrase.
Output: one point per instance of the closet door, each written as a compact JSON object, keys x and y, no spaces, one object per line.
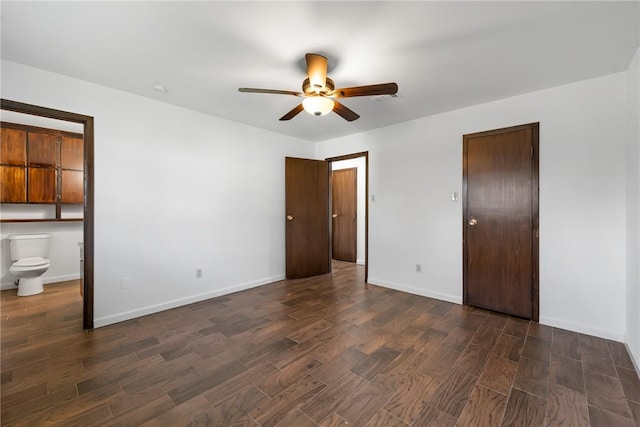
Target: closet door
{"x":500,"y":226}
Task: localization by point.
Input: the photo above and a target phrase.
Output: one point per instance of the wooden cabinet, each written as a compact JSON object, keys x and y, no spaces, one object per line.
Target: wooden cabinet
{"x":72,"y":170}
{"x":72,"y":153}
{"x":43,"y":166}
{"x":14,"y":184}
{"x":42,"y":150}
{"x":13,"y":166}
{"x":13,"y":148}
{"x":71,"y":186}
{"x":41,"y":185}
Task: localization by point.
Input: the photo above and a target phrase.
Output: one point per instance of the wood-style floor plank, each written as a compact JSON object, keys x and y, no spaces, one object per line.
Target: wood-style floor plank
{"x":325,"y":351}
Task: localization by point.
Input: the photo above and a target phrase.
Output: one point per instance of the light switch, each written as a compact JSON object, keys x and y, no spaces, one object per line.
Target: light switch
{"x":454,"y":196}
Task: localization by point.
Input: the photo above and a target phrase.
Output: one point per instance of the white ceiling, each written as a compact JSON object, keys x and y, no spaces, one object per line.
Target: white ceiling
{"x":443,"y":55}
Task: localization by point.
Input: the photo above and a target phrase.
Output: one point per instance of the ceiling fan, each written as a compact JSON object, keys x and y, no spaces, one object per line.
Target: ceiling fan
{"x":320,"y":95}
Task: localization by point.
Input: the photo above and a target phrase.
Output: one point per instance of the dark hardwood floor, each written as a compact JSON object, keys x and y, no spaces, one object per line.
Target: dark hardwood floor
{"x":326,"y":351}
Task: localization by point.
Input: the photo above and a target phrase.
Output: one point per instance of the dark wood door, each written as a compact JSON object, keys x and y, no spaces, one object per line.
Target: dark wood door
{"x":500,"y":220}
{"x":307,"y":217}
{"x":344,"y":184}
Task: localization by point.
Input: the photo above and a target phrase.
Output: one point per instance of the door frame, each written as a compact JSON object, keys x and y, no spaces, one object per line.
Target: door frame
{"x":364,"y":154}
{"x":88,"y":204}
{"x":535,"y":211}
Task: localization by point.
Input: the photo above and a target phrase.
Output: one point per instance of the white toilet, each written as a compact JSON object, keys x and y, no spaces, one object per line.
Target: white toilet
{"x":30,"y":254}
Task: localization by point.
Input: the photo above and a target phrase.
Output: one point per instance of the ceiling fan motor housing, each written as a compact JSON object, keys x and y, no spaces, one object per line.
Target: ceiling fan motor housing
{"x":310,"y":90}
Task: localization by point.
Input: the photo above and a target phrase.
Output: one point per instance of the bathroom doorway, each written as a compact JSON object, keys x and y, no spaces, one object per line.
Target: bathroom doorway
{"x":86,"y":122}
{"x":359,"y":162}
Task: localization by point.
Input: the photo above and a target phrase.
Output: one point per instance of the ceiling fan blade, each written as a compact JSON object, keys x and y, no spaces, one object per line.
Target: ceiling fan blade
{"x":316,"y":70}
{"x":291,"y":114}
{"x":369,"y":90}
{"x":344,"y":112}
{"x":270,"y":91}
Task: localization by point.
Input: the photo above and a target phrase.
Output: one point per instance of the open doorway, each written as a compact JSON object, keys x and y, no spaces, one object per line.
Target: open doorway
{"x":308,"y":233}
{"x":350,"y":226}
{"x":88,"y":205}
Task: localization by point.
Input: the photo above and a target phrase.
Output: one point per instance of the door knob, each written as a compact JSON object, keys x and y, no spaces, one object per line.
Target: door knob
{"x":335,"y":215}
{"x":473,"y":222}
{"x":289,"y":218}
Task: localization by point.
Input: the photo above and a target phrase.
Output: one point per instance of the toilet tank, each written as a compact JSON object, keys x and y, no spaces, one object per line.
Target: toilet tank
{"x":29,"y":245}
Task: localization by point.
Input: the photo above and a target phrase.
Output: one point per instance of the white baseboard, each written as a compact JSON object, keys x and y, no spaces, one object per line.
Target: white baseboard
{"x":127,"y":315}
{"x":635,"y":362}
{"x":360,"y":262}
{"x":580,"y":328}
{"x":422,"y":292}
{"x":45,"y":280}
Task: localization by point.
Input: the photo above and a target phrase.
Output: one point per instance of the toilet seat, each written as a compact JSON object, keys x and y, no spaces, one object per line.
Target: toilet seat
{"x":31,"y":262}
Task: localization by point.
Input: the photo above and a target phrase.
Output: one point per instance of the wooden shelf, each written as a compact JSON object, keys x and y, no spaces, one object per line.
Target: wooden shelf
{"x":42,"y":220}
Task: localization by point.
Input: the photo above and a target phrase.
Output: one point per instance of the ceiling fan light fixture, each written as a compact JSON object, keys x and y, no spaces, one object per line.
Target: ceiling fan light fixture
{"x":317,"y":105}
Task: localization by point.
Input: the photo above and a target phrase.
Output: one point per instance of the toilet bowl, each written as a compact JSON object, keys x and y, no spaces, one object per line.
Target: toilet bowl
{"x":30,"y":252}
{"x":29,"y":272}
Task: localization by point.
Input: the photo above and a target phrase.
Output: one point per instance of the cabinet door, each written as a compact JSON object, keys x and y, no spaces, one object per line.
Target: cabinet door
{"x":14,"y":184}
{"x":72,"y":183}
{"x":13,"y":147}
{"x":42,"y":185}
{"x":72,"y":153}
{"x":42,"y":149}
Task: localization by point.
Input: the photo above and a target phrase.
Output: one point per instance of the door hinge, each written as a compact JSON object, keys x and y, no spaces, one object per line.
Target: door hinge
{"x":532,"y":151}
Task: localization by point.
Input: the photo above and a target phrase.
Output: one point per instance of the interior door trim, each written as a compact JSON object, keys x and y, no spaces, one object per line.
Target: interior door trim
{"x":88,"y":205}
{"x":535,"y":211}
{"x":364,"y":154}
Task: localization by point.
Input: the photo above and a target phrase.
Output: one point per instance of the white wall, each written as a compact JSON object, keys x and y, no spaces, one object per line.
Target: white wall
{"x":633,"y":209}
{"x":175,"y":191}
{"x":361,"y":200}
{"x":414,"y":166}
{"x":64,"y":253}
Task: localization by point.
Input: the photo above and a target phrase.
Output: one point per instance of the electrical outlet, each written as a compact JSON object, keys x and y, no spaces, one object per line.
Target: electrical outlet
{"x":199,"y":273}
{"x":418,"y":268}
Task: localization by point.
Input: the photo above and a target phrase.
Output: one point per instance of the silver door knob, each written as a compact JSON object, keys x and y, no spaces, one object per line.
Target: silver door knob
{"x":473,"y":222}
{"x":335,"y":215}
{"x":289,"y":217}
